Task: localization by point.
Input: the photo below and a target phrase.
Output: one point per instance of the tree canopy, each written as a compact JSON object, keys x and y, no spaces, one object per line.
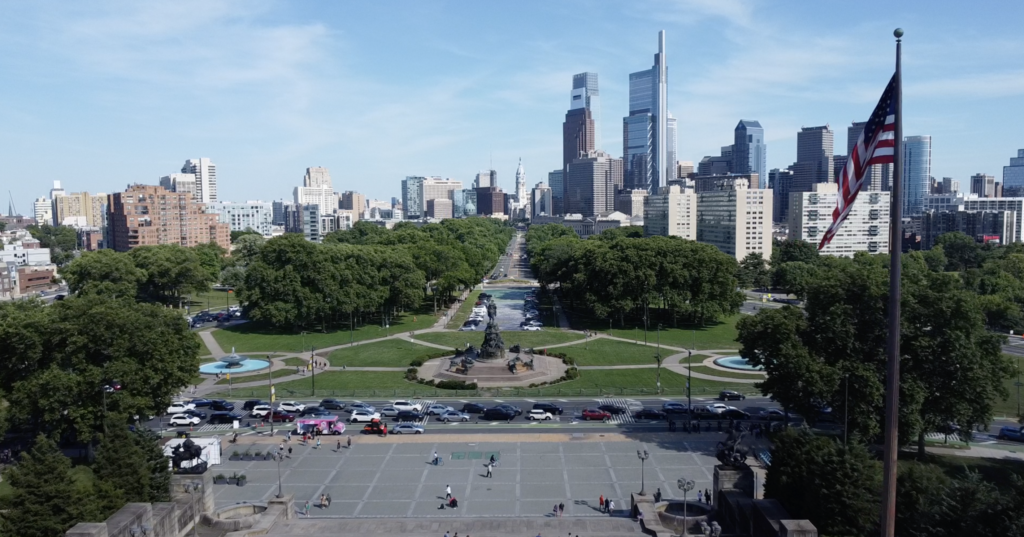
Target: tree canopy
{"x":61,"y":240}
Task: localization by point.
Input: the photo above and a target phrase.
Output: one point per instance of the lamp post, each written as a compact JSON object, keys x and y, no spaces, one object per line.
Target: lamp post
{"x":192,"y":488}
{"x":685,"y":485}
{"x":643,"y":455}
{"x":270,"y":380}
{"x":659,"y":359}
{"x":303,"y":341}
{"x":277,"y":457}
{"x":312,"y":368}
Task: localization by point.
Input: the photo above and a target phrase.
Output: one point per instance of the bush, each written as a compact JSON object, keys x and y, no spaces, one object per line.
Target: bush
{"x":456,"y":385}
{"x":572,"y":373}
{"x":418,"y":362}
{"x":411,"y":374}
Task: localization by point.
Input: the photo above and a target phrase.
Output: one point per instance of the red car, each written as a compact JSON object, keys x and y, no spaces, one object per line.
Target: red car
{"x":284,"y":416}
{"x":594,"y":414}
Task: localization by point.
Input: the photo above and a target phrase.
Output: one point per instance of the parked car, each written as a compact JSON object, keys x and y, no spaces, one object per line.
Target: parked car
{"x":650,"y":414}
{"x":407,"y":405}
{"x":530,"y":328}
{"x":453,"y":415}
{"x":252,"y":403}
{"x":332,"y":404}
{"x":363,"y":416}
{"x":183,"y":420}
{"x":313,"y":411}
{"x":407,"y":428}
{"x":361,"y":406}
{"x":497,"y":413}
{"x":220,"y":405}
{"x":408,"y":415}
{"x":614,"y":410}
{"x":389,"y":411}
{"x":548,"y":407}
{"x":1011,"y":433}
{"x":468,"y":327}
{"x":673,"y":407}
{"x":729,"y":395}
{"x":538,"y":414}
{"x":261,"y":411}
{"x":716,"y":408}
{"x":473,"y":408}
{"x":734,"y":413}
{"x":178,"y":407}
{"x":283,"y":416}
{"x":291,"y":406}
{"x":772,"y":414}
{"x":197,"y":413}
{"x":590,"y":414}
{"x":437,"y":410}
{"x":200,"y":402}
{"x":222,"y":418}
{"x":511,"y":408}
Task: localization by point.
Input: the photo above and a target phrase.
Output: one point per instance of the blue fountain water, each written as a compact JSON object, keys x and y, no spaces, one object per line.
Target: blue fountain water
{"x":233,"y":363}
{"x":737,"y":362}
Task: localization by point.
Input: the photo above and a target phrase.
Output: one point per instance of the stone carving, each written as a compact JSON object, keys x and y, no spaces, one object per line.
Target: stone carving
{"x":730,"y":450}
{"x":493,"y":346}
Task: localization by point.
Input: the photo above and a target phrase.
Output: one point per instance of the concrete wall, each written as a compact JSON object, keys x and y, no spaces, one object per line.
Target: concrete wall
{"x":165,"y":519}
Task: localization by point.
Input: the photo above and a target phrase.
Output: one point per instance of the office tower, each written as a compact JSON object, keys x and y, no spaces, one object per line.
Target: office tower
{"x":735,"y":218}
{"x":43,"y":211}
{"x":79,"y":209}
{"x":591,"y":184}
{"x":838,"y":162}
{"x":206,"y":178}
{"x":278,"y":213}
{"x":712,"y":165}
{"x":866,"y":228}
{"x":781,"y":183}
{"x":1013,"y":176}
{"x":255,"y":215}
{"x":317,"y":189}
{"x":670,"y":149}
{"x":984,"y":186}
{"x":56,"y":190}
{"x":631,"y":202}
{"x":749,"y":151}
{"x":181,"y":182}
{"x":645,"y":144}
{"x":355,"y":202}
{"x":485,"y":179}
{"x":685,"y":169}
{"x":541,"y":199}
{"x":579,"y":130}
{"x":412,"y":197}
{"x":490,"y":201}
{"x":917,"y":169}
{"x":145,"y":215}
{"x":949,"y":186}
{"x":556,"y":180}
{"x":671,"y":212}
{"x":440,"y":208}
{"x":317,"y":177}
{"x":814,"y":162}
{"x":437,"y":188}
{"x":876,"y":177}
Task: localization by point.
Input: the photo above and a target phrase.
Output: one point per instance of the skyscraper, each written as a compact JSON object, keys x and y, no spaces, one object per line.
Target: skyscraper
{"x":317,"y":190}
{"x":318,"y":177}
{"x":983,"y":185}
{"x":591,"y":184}
{"x":1013,"y":176}
{"x":206,"y":178}
{"x":579,"y":131}
{"x":917,"y":171}
{"x":813,"y":158}
{"x":749,"y":152}
{"x":485,"y":179}
{"x":540,"y":201}
{"x":521,"y":198}
{"x":412,"y":197}
{"x":556,"y":180}
{"x":645,"y":140}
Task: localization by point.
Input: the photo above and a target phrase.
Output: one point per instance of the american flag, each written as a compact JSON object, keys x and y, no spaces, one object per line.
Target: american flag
{"x":875,"y":146}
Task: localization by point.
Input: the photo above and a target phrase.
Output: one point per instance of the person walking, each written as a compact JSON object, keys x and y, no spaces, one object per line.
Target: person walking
{"x":307,"y":508}
{"x":339,"y":445}
{"x":561,"y":509}
{"x":707,"y":496}
{"x":447,"y":492}
{"x":600,"y":503}
{"x":489,"y":467}
{"x":323,"y":501}
{"x":435,"y":457}
{"x":611,"y":507}
{"x":328,"y":500}
{"x":349,"y":442}
{"x":318,"y":442}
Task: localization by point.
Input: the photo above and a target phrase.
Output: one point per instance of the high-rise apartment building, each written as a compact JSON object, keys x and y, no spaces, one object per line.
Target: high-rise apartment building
{"x":579,"y":130}
{"x":749,"y":150}
{"x":1013,"y":176}
{"x":556,"y":180}
{"x":145,"y":215}
{"x":631,"y":201}
{"x":736,"y":219}
{"x":780,"y":182}
{"x":541,"y":200}
{"x":997,"y":227}
{"x":984,"y":186}
{"x":42,"y":209}
{"x":412,"y":197}
{"x":645,"y":137}
{"x":317,"y":189}
{"x":878,"y":176}
{"x":80,"y":209}
{"x":205,"y":173}
{"x":671,"y":212}
{"x":317,"y":177}
{"x":866,"y":228}
{"x":57,"y":190}
{"x":312,"y":222}
{"x":591,"y":184}
{"x":255,"y":215}
{"x":917,"y":171}
{"x":355,"y":202}
{"x":181,"y":182}
{"x":814,"y":162}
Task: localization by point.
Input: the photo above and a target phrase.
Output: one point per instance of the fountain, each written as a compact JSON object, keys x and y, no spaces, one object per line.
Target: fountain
{"x":738,"y":363}
{"x":233,"y":363}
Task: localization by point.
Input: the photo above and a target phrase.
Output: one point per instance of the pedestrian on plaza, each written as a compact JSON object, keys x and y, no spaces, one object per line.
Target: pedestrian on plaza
{"x":349,"y":441}
{"x":600,"y":503}
{"x":289,"y":452}
{"x":307,"y":507}
{"x":328,"y":500}
{"x":280,"y":448}
{"x":446,"y":534}
{"x":318,"y":443}
{"x":339,"y":445}
{"x":555,"y":509}
{"x":435,"y":458}
{"x":611,"y":507}
{"x":288,"y":437}
{"x":607,"y":505}
{"x":447,"y":492}
{"x":323,"y":501}
{"x":489,"y":467}
{"x":707,"y":496}
{"x":561,"y":509}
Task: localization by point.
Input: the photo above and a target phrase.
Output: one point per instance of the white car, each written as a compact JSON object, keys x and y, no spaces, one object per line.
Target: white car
{"x":531,"y":328}
{"x":178,"y":407}
{"x":184,"y":419}
{"x":362,"y":415}
{"x":389,"y":411}
{"x":539,"y":415}
{"x":437,"y":410}
{"x":291,"y":406}
{"x":406,"y":405}
{"x":261,"y":411}
{"x":717,"y":408}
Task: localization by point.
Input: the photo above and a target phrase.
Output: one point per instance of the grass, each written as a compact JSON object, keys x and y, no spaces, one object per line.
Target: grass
{"x":464,"y":310}
{"x":388,"y":353}
{"x":295,"y":362}
{"x":252,"y":337}
{"x":645,"y":380}
{"x":263,"y":377}
{"x":714,"y":336}
{"x":727,"y":374}
{"x":345,"y":383}
{"x":527,"y":339}
{"x":213,"y":300}
{"x":203,"y":349}
{"x":609,"y":352}
{"x":1008,"y":407}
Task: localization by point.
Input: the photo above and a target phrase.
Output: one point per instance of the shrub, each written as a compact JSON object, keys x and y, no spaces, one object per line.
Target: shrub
{"x":418,"y":362}
{"x":572,"y":373}
{"x":456,"y":385}
{"x":411,"y":374}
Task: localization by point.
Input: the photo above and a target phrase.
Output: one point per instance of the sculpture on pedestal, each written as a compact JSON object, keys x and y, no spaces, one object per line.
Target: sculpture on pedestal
{"x":731,"y":452}
{"x":494,"y":345}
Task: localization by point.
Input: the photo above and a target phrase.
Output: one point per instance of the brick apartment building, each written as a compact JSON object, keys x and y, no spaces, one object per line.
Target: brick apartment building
{"x":145,"y":215}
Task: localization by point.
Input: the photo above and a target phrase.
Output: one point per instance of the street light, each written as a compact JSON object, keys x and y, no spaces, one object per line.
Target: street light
{"x":277,"y":457}
{"x":659,"y":358}
{"x":643,"y":455}
{"x":685,"y":485}
{"x":192,"y":488}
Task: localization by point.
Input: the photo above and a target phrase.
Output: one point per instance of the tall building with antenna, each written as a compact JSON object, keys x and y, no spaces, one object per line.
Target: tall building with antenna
{"x":647,"y":144}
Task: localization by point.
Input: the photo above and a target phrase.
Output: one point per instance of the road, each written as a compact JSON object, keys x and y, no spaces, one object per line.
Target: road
{"x":512,"y":264}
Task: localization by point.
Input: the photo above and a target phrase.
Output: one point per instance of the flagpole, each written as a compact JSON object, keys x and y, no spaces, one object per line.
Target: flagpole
{"x":892,"y":383}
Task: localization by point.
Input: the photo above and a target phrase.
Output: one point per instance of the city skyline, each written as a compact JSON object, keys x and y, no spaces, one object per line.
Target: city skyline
{"x":266,"y":90}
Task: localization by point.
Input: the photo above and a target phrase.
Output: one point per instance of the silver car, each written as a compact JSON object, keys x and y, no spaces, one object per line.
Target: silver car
{"x":453,"y":415}
{"x":389,"y":411}
{"x":361,"y":406}
{"x":407,"y":428}
{"x":437,"y":410}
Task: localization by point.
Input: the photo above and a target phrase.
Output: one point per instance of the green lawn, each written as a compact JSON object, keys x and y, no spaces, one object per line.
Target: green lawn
{"x":388,"y":353}
{"x":711,"y":337}
{"x":1008,"y":407}
{"x":293,"y":362}
{"x":251,"y":337}
{"x":727,"y":374}
{"x":639,"y":381}
{"x":213,"y":300}
{"x":610,"y":352}
{"x":262,"y":377}
{"x":203,"y":349}
{"x":464,"y":310}
{"x":536,"y":340}
{"x":344,"y":384}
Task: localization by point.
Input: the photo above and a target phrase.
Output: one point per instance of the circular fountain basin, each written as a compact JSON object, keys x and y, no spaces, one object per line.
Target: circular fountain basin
{"x":244,"y":366}
{"x":738,"y":363}
{"x":670,"y":514}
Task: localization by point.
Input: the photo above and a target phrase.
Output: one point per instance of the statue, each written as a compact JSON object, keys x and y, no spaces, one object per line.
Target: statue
{"x":188,"y":451}
{"x":494,"y":345}
{"x":730,"y":452}
{"x":492,"y":312}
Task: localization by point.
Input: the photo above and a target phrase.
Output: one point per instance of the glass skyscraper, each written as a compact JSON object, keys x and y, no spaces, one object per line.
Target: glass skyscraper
{"x":580,"y":129}
{"x":646,"y":139}
{"x":749,"y":152}
{"x":1013,"y":177}
{"x":917,"y":171}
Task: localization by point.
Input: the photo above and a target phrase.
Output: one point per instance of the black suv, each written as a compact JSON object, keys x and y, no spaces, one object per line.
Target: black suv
{"x":516,"y":411}
{"x":248,"y":405}
{"x":408,"y":415}
{"x":650,"y":414}
{"x":220,"y":405}
{"x":498,"y":413}
{"x":221,"y":418}
{"x":332,"y":404}
{"x":313,"y":411}
{"x":473,"y":408}
{"x":614,"y":410}
{"x":729,"y":395}
{"x":548,"y":407}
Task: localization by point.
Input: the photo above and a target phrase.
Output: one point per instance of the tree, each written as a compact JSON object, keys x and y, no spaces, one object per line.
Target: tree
{"x":212,"y":258}
{"x":753,"y":272}
{"x":918,"y":488}
{"x":171,"y":272}
{"x":790,"y":251}
{"x":121,"y":463}
{"x":235,"y":235}
{"x":44,"y":502}
{"x":3,"y":226}
{"x":960,"y":250}
{"x":247,"y":248}
{"x":61,"y":240}
{"x":103,"y":272}
{"x":156,"y":467}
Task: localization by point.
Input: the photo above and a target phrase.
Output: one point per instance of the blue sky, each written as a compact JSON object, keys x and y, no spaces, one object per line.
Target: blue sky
{"x":103,"y":94}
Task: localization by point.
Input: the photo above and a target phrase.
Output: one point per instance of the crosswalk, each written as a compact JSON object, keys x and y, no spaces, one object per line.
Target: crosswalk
{"x":625,"y":417}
